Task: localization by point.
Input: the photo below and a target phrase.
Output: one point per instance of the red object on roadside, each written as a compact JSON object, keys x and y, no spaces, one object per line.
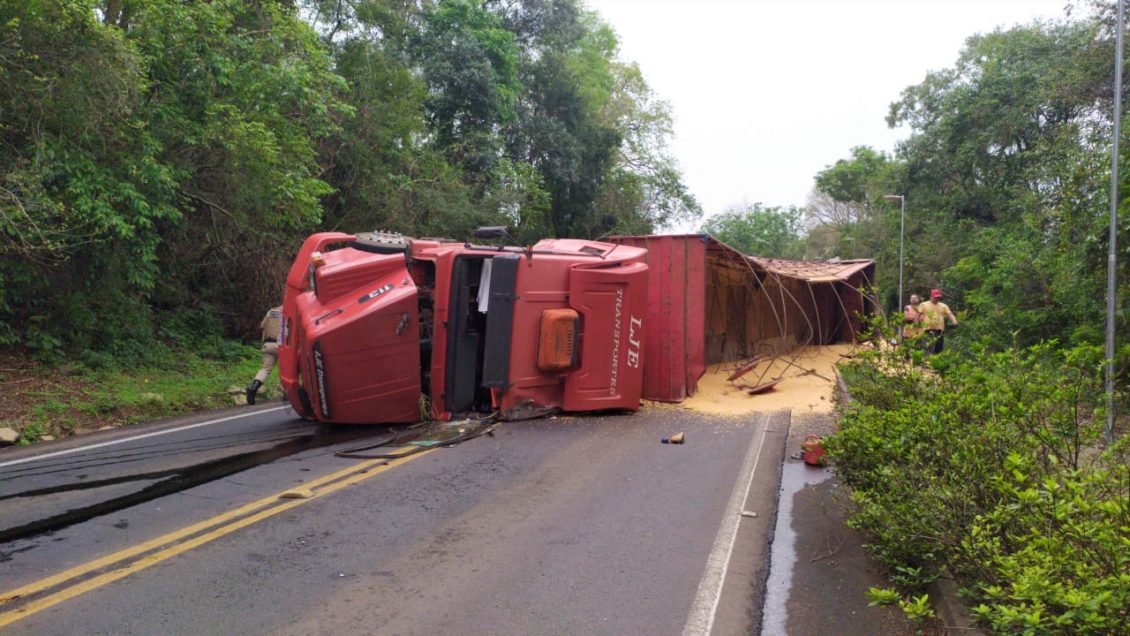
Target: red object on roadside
{"x":813,"y":450}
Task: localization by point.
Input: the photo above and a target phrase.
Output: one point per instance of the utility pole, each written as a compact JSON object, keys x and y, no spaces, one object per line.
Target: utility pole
{"x":902,"y":232}
{"x":1112,"y":263}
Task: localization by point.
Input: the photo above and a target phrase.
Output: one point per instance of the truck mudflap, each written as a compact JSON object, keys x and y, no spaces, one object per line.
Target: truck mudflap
{"x":612,"y":302}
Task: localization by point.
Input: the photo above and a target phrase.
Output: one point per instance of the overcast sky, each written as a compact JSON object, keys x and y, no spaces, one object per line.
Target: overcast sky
{"x":766,"y":93}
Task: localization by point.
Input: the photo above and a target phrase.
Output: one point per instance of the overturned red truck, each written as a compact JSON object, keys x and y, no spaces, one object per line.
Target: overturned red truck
{"x":380,"y":328}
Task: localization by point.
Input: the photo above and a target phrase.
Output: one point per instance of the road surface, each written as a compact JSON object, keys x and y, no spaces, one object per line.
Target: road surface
{"x":252,"y":525}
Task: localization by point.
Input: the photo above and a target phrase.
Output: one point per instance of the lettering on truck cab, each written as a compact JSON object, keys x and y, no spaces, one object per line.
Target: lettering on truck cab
{"x":635,"y":327}
{"x":634,"y":341}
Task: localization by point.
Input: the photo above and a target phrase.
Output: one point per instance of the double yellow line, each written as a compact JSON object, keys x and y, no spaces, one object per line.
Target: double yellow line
{"x":110,"y":568}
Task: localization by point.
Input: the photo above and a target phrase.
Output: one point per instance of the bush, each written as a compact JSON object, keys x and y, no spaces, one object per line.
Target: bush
{"x":991,"y":465}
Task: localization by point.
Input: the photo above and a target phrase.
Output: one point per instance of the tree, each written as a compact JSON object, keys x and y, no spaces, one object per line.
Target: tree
{"x":759,"y":230}
{"x":566,"y":72}
{"x":644,"y":188}
{"x":161,"y":160}
{"x":1004,"y":170}
{"x":469,"y":64}
{"x":237,"y":96}
{"x":83,"y":189}
{"x":846,"y":191}
{"x":156,"y":160}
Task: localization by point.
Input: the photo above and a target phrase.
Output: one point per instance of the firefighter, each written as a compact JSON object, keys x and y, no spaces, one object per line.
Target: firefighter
{"x":270,"y":326}
{"x":934,"y":314}
{"x":912,"y":328}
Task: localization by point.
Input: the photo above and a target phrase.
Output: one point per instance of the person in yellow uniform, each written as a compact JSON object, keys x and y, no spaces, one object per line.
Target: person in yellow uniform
{"x":934,"y":315}
{"x":270,"y":326}
{"x":912,"y":327}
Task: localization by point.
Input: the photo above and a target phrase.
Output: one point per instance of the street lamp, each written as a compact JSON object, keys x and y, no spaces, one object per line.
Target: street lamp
{"x":1112,"y":262}
{"x":902,"y":226}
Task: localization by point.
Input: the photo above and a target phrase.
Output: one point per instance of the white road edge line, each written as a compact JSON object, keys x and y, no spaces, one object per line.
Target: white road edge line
{"x":700,"y":622}
{"x":135,"y":437}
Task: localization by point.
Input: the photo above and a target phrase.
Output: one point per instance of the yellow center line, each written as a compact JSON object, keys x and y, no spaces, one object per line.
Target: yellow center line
{"x":341,"y":479}
{"x":171,"y":537}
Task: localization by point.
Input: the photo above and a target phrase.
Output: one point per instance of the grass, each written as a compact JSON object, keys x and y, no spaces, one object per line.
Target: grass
{"x":68,"y":399}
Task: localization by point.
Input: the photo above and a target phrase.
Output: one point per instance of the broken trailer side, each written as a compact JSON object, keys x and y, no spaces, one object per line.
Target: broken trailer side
{"x":708,"y":303}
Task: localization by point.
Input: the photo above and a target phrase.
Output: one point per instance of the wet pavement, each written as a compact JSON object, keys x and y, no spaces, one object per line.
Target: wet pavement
{"x":819,"y":571}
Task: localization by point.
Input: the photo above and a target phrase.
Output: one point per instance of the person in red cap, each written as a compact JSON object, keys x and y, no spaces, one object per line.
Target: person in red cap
{"x":934,"y":314}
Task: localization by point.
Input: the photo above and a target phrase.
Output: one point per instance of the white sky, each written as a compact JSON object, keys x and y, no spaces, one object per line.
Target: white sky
{"x":766,"y":93}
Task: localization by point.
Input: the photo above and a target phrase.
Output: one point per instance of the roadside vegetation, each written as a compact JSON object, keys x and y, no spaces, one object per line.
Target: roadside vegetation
{"x":992,"y":467}
{"x":989,"y":463}
{"x":60,"y":399}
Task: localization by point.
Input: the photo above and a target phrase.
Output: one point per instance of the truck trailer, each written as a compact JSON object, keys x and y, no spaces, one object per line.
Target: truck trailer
{"x":381,"y":328}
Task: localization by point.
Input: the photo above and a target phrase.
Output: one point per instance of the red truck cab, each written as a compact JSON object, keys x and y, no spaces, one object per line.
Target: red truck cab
{"x":385,"y":329}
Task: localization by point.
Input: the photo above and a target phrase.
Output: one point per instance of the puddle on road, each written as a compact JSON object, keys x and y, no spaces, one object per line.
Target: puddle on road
{"x":794,"y":477}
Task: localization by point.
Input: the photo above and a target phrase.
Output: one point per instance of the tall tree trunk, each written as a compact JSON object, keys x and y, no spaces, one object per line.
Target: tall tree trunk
{"x":111,"y":12}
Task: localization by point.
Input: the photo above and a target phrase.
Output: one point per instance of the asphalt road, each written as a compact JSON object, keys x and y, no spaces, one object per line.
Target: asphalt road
{"x":554,"y":526}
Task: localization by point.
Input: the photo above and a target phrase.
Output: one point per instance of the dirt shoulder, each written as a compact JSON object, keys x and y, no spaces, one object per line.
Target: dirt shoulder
{"x":40,"y":401}
{"x":29,"y":390}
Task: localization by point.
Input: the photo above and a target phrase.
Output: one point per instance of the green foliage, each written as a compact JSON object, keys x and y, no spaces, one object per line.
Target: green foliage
{"x":31,"y":433}
{"x":146,"y":153}
{"x":758,"y":230}
{"x":989,"y":129}
{"x":1016,"y":289}
{"x":917,"y":608}
{"x":855,"y":181}
{"x":74,"y":144}
{"x":162,"y":160}
{"x":565,"y":126}
{"x":644,"y":190}
{"x":882,"y":596}
{"x":469,"y":64}
{"x":1005,"y":175}
{"x":168,"y":381}
{"x":1056,"y":551}
{"x":991,"y":465}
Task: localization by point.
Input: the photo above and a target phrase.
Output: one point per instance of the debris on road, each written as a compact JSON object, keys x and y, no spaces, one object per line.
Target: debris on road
{"x":297,"y":493}
{"x":761,"y":388}
{"x":813,"y":450}
{"x":745,"y":368}
{"x":423,"y":437}
{"x":798,"y":390}
{"x":677,"y":438}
